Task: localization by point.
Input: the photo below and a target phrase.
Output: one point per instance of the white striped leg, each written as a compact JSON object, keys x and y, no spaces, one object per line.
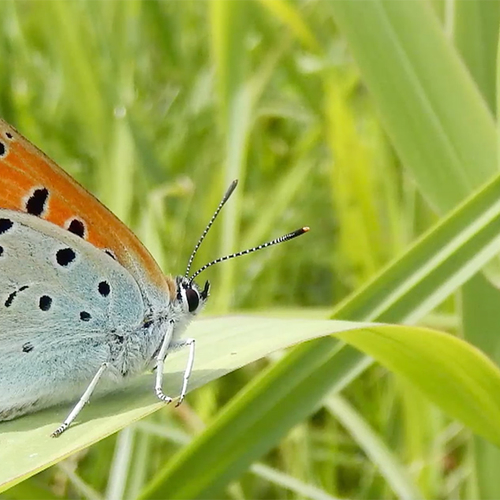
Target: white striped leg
{"x":160,"y":360}
{"x":189,"y":366}
{"x":82,"y":402}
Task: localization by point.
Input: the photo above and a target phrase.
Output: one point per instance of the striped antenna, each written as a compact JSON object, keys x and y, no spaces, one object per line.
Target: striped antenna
{"x":281,"y":239}
{"x":229,"y":192}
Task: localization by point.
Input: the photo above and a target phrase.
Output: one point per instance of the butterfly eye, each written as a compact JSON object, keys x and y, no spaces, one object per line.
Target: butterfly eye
{"x":193,"y":299}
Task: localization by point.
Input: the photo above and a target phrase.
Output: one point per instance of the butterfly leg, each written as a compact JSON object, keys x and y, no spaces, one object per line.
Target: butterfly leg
{"x":189,"y":366}
{"x":160,"y":360}
{"x":83,"y":401}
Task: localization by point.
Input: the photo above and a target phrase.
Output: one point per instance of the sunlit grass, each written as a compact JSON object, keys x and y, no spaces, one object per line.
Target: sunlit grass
{"x":155,"y":107}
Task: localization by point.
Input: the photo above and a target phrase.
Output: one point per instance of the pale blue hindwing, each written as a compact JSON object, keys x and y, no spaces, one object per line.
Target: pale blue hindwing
{"x":50,"y":348}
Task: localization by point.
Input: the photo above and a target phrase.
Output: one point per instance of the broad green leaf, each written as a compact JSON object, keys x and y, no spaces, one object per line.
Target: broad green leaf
{"x":223,"y":345}
{"x":190,"y":163}
{"x":455,"y":375}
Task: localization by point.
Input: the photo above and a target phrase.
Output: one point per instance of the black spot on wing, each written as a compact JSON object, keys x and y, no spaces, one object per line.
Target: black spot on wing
{"x":110,"y":253}
{"x":28,"y":347}
{"x":13,"y":295}
{"x":65,"y":256}
{"x":10,"y":299}
{"x":5,"y":225}
{"x":104,"y":288}
{"x":85,"y":316}
{"x":37,"y":202}
{"x":45,"y":302}
{"x":118,"y":338}
{"x":3,"y":150}
{"x":77,"y":227}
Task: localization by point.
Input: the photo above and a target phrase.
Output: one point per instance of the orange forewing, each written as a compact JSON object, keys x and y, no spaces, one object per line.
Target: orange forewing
{"x":24,"y":168}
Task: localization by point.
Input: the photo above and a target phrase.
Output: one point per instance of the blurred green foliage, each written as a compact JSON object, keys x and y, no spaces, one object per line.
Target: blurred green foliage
{"x":155,"y":107}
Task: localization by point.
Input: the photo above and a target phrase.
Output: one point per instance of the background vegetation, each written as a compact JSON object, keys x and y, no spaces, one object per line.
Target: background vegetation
{"x":365,"y":120}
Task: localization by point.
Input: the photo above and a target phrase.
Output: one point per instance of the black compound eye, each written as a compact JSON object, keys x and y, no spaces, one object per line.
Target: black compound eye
{"x":193,"y":299}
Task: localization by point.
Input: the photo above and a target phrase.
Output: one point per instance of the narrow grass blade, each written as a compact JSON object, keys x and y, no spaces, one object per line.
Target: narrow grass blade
{"x":475,"y":34}
{"x":426,"y":97}
{"x":228,"y":21}
{"x":383,"y":458}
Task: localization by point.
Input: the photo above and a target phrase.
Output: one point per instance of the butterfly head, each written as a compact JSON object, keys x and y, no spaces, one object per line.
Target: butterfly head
{"x":190,"y":296}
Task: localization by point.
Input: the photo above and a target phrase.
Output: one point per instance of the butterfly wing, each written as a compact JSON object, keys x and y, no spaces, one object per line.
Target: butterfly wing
{"x":31,"y":182}
{"x":76,"y":286}
{"x":65,"y":308}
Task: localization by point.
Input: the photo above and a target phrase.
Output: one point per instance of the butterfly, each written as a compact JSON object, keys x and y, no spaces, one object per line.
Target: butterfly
{"x":83,"y":305}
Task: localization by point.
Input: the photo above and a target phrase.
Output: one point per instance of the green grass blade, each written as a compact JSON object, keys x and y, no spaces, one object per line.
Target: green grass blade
{"x":208,"y":89}
{"x":383,"y":458}
{"x":475,"y":34}
{"x":427,"y":99}
{"x":290,"y":483}
{"x":223,"y":345}
{"x":437,"y":264}
{"x":228,"y":22}
{"x":291,"y":17}
{"x":480,"y":325}
{"x":439,"y":364}
{"x":78,"y":59}
{"x":120,"y":466}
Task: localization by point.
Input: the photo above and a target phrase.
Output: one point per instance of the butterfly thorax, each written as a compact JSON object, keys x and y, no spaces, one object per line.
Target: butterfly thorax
{"x":135,"y":351}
